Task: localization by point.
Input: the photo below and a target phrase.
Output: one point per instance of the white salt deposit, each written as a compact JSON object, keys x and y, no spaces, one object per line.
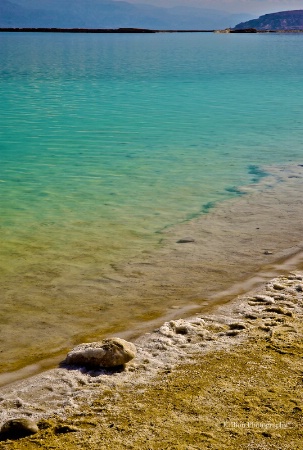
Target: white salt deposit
{"x":63,"y":391}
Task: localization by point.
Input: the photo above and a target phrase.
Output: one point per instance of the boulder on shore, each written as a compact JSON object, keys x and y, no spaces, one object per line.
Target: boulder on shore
{"x":111,"y":352}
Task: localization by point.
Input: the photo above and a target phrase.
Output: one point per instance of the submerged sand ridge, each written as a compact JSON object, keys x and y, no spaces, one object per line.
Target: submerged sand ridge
{"x":212,"y":372}
{"x":224,"y":247}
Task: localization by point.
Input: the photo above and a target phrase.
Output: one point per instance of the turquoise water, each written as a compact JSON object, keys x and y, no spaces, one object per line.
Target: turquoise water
{"x":105,"y":140}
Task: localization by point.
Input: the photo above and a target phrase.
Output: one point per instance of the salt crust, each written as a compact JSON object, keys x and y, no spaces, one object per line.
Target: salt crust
{"x":62,"y":391}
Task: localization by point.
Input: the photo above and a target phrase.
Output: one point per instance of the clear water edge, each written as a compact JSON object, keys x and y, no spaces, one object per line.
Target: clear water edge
{"x":106,"y":141}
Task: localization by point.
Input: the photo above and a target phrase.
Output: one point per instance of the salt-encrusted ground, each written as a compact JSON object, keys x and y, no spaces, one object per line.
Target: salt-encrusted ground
{"x":273,"y":314}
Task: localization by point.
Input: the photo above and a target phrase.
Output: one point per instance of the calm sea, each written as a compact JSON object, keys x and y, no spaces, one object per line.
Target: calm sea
{"x":105,"y":140}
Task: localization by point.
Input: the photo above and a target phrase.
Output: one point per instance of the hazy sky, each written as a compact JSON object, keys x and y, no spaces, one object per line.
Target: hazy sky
{"x":257,"y":7}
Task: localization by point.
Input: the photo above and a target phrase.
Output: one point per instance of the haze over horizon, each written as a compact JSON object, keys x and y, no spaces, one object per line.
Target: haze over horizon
{"x":155,"y":14}
{"x":257,"y":7}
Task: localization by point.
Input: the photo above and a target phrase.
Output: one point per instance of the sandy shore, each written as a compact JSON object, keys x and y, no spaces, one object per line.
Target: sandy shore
{"x":228,"y":379}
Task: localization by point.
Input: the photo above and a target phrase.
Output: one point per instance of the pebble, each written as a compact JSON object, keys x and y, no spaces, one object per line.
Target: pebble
{"x":18,"y":428}
{"x":185,"y":240}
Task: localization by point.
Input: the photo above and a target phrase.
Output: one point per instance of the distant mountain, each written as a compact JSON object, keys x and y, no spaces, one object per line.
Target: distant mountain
{"x":285,"y":20}
{"x":109,"y":14}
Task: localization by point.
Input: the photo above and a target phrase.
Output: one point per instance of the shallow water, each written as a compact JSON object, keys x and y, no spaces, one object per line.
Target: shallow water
{"x":106,"y":141}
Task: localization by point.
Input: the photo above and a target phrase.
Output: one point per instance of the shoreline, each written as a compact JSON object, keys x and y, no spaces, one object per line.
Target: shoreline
{"x":255,"y":317}
{"x":271,"y":313}
{"x":234,"y":247}
{"x":96,"y":30}
{"x":131,"y":30}
{"x":286,"y":264}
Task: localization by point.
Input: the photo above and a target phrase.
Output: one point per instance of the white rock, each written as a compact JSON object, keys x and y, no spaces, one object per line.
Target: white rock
{"x":110,"y":352}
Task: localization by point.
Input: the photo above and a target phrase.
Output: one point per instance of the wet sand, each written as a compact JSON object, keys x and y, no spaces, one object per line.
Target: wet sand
{"x":236,"y":246}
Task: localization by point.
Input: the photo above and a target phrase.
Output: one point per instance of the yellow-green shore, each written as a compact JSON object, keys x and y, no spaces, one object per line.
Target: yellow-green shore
{"x":247,"y":394}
